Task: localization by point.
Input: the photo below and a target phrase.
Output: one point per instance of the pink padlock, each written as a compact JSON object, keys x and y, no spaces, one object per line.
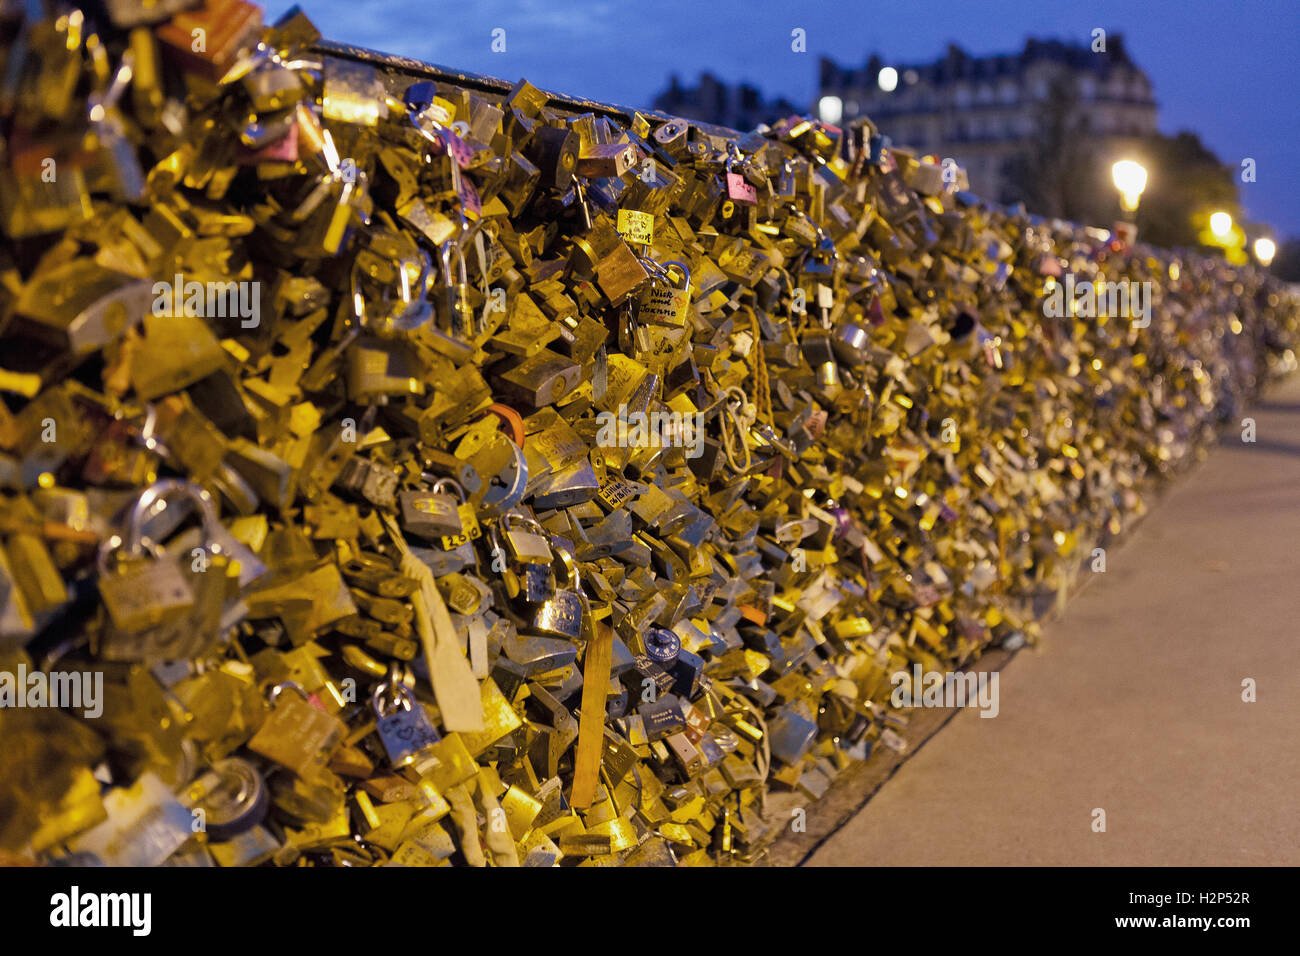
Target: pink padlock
{"x":740,"y":190}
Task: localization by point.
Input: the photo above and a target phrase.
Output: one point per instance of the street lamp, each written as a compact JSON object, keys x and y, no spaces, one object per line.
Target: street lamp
{"x":1264,"y":250}
{"x":1221,"y":224}
{"x":1130,"y":179}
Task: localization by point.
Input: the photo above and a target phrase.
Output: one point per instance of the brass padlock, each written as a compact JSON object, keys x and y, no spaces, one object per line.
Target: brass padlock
{"x":469,"y":528}
{"x":664,"y":303}
{"x":529,"y":583}
{"x":146,"y":603}
{"x":296,"y":733}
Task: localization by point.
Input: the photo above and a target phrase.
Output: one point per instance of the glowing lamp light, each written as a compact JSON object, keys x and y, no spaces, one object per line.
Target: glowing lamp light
{"x":830,"y":109}
{"x":1265,"y":249}
{"x":1130,"y":179}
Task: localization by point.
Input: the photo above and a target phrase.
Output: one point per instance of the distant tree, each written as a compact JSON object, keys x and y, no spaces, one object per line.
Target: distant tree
{"x":1184,"y":178}
{"x":1045,"y":178}
{"x":1066,"y":173}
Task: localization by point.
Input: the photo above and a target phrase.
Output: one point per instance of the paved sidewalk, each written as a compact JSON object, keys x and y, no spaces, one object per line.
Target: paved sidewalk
{"x":1133,"y":701}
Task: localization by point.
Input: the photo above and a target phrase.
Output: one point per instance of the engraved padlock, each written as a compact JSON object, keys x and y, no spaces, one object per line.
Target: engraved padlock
{"x":469,"y":527}
{"x":666,"y":302}
{"x":403,"y":724}
{"x":560,"y":615}
{"x":297,"y":733}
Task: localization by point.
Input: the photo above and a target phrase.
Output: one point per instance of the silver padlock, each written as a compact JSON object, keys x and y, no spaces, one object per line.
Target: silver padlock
{"x":560,"y":615}
{"x":458,"y":316}
{"x":403,"y":724}
{"x":431,"y":514}
{"x":525,"y":539}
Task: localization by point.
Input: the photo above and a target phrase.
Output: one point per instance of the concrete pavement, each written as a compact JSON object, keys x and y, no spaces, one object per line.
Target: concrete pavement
{"x":1133,"y":701}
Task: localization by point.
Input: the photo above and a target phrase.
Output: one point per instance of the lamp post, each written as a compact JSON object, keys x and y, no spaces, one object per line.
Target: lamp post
{"x":1130,"y":179}
{"x":1221,"y":224}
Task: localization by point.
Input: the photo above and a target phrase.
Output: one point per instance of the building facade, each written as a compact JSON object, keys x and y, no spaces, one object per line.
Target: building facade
{"x":739,"y":106}
{"x":996,"y":114}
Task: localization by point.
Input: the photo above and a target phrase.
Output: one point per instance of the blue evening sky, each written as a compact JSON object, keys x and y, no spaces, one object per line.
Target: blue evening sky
{"x":1226,"y":69}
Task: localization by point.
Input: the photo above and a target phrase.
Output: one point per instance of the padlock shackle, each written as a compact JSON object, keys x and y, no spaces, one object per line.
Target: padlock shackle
{"x":685,"y":270}
{"x":404,"y":699}
{"x":515,"y":493}
{"x":533,"y":524}
{"x":444,"y":482}
{"x":734,"y":156}
{"x":651,"y":265}
{"x":444,"y":252}
{"x":148,"y":436}
{"x":275,"y":690}
{"x":570,"y":563}
{"x":132,"y":539}
{"x":415,"y":312}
